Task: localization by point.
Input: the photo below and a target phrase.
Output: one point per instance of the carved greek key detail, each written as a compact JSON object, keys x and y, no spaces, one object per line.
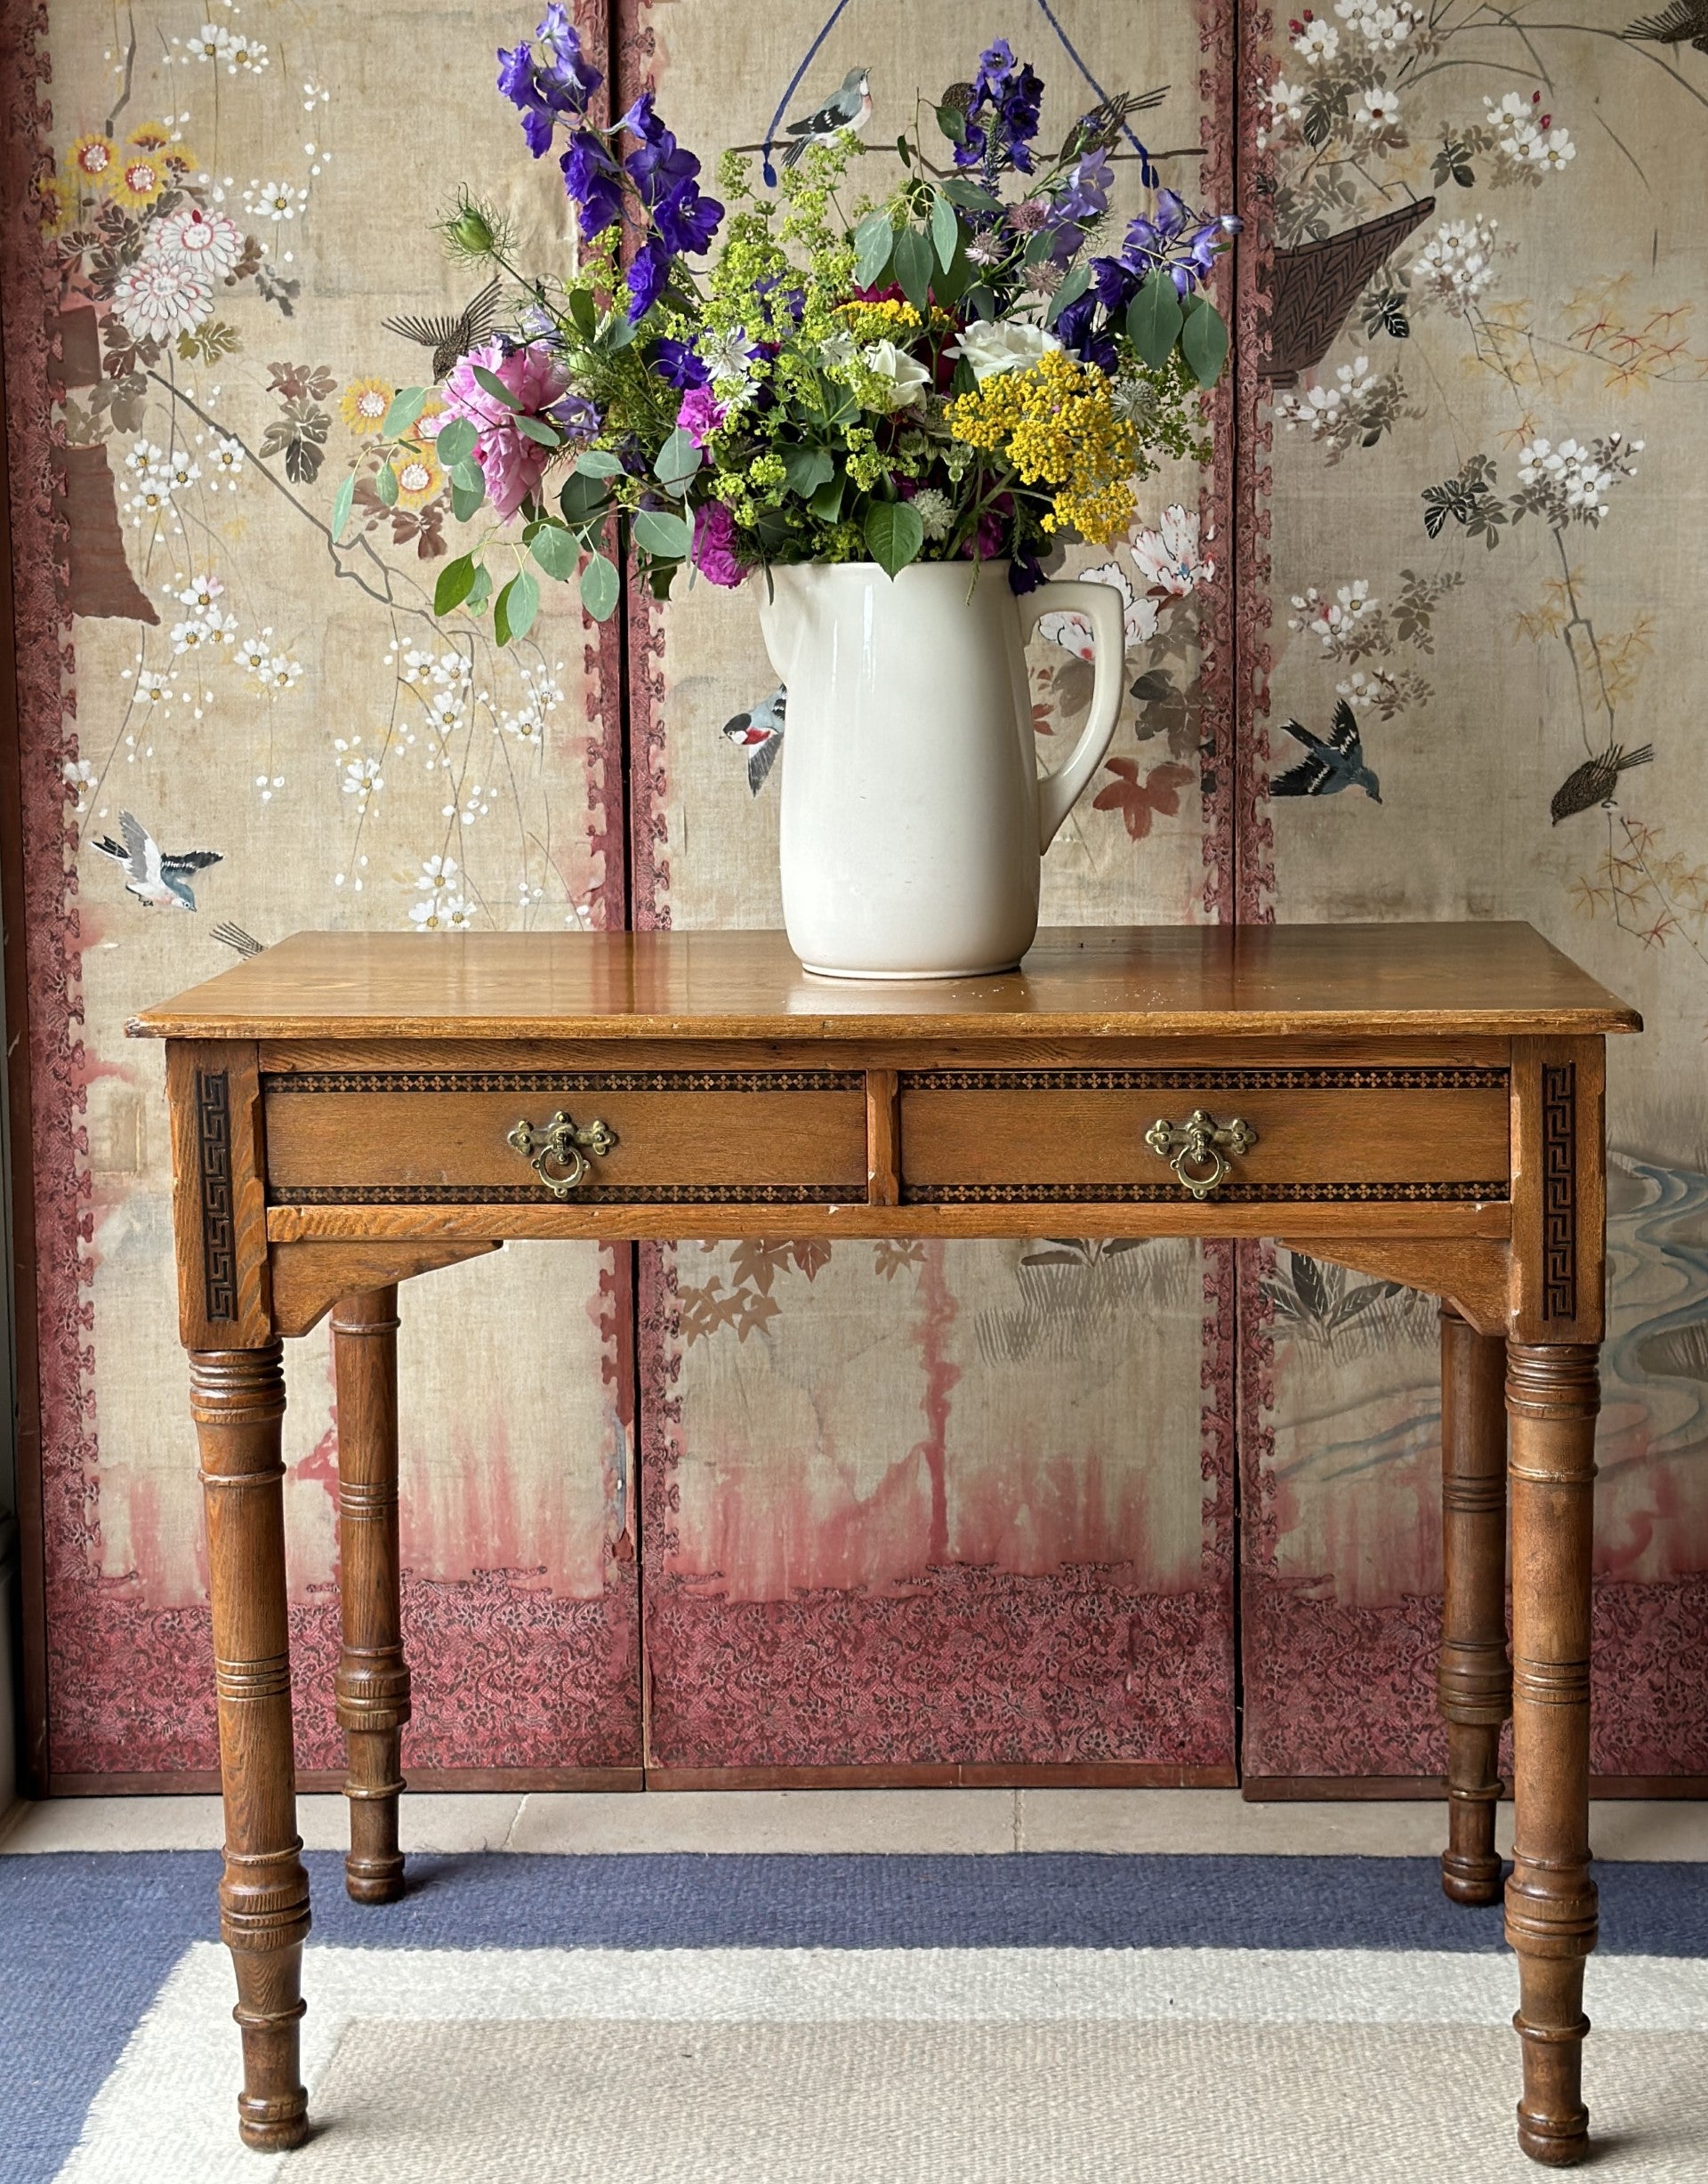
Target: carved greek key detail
{"x":1229,"y":1194}
{"x":1559,"y":1190}
{"x":605,"y":1194}
{"x":219,"y":1229}
{"x":1205,"y":1080}
{"x":563,"y":1081}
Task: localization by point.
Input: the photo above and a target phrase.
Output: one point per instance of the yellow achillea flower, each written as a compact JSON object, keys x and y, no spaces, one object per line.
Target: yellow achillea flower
{"x":93,"y":159}
{"x":885,"y":321}
{"x":364,"y":403}
{"x":1056,"y":422}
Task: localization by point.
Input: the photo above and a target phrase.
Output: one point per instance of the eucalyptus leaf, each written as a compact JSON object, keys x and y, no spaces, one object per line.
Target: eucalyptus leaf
{"x":455,"y":582}
{"x":580,"y":495}
{"x":466,"y":500}
{"x":500,"y":615}
{"x":341,"y":506}
{"x":469,"y":474}
{"x":600,"y":588}
{"x":494,"y":385}
{"x":455,"y":442}
{"x":950,"y":283}
{"x":808,"y":468}
{"x":598,"y":463}
{"x":946,"y":230}
{"x":904,"y":151}
{"x":406,"y":407}
{"x":912,"y":260}
{"x":541,"y":430}
{"x":555,"y":551}
{"x":523,"y":594}
{"x":874,"y":240}
{"x":1074,"y":286}
{"x":678,"y":463}
{"x":385,"y":485}
{"x":894,"y":535}
{"x":969,"y":196}
{"x":482,"y":592}
{"x":1203,"y":343}
{"x":665,"y":536}
{"x":585,"y":313}
{"x":1154,"y":320}
{"x":953,"y":122}
{"x":620,"y":330}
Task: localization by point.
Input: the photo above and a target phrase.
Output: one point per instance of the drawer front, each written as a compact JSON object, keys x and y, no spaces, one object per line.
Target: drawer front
{"x":1290,"y":1135}
{"x":787,"y":1137}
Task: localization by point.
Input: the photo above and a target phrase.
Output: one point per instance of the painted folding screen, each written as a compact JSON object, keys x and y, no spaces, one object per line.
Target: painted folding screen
{"x":1480,"y":449}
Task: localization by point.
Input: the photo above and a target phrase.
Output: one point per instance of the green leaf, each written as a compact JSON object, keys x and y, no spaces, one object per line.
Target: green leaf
{"x":659,"y":532}
{"x":913,"y":262}
{"x":555,"y":551}
{"x":598,"y":463}
{"x":953,"y":122}
{"x":493,"y":386}
{"x":524,"y":594}
{"x":600,"y":588}
{"x":874,"y":240}
{"x":620,"y":330}
{"x":826,"y":503}
{"x":581,"y":495}
{"x":482,"y":592}
{"x":540,"y":430}
{"x":500,"y":615}
{"x":950,"y":284}
{"x":1203,"y":343}
{"x":946,"y":230}
{"x":407,"y":406}
{"x":465,"y":500}
{"x":1154,"y":320}
{"x":1071,"y":291}
{"x":894,"y":535}
{"x":386,"y":485}
{"x":969,"y":196}
{"x":469,"y":474}
{"x":809,"y":468}
{"x":455,"y":582}
{"x":904,"y":151}
{"x":981,"y":301}
{"x":341,"y":506}
{"x":585,"y":313}
{"x":677,"y":462}
{"x":455,"y":442}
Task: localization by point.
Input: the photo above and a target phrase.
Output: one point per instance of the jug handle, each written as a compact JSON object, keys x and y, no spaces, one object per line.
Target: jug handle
{"x":1103,"y":607}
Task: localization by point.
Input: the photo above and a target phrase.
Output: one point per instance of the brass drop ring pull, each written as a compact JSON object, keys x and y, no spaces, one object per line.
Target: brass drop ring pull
{"x":557,"y":1153}
{"x":1197,"y":1149}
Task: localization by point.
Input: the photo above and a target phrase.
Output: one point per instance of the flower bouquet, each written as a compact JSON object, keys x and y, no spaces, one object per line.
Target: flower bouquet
{"x":970,"y":367}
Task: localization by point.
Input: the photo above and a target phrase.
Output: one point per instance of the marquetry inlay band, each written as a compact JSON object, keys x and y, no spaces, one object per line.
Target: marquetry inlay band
{"x":213,"y":1160}
{"x":603,"y":1194}
{"x":564,"y":1081}
{"x":1205,"y":1080}
{"x":1237,"y":1194}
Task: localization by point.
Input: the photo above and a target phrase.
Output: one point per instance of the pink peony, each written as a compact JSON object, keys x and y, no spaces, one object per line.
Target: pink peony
{"x":700,"y":415}
{"x":714,"y":545}
{"x":513,"y":463}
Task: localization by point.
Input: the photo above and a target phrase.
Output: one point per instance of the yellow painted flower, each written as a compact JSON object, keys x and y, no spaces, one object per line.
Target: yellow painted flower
{"x":1058,"y":425}
{"x":140,"y":178}
{"x":155,"y":140}
{"x":59,"y":202}
{"x":92,"y":159}
{"x":364,"y":403}
{"x":419,"y":477}
{"x":153,"y":137}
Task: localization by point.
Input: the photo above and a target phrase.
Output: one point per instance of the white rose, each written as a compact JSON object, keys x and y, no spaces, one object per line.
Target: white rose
{"x":1003,"y":345}
{"x":905,"y":377}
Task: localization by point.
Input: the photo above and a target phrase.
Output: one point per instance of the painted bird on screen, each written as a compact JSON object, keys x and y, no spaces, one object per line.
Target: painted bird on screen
{"x":850,"y":107}
{"x":158,"y":882}
{"x":451,"y":338}
{"x":1331,"y":765}
{"x":1683,"y":20}
{"x":757,"y":735}
{"x":1595,"y":780}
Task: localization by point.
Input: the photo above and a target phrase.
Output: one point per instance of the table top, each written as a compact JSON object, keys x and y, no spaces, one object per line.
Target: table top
{"x":1096,"y":981}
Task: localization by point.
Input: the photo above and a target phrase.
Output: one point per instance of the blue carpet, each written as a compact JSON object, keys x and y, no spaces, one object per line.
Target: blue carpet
{"x":87,"y":1940}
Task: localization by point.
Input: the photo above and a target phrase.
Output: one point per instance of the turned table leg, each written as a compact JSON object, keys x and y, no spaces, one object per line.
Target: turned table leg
{"x":1552,"y":1395}
{"x":373,"y":1686}
{"x":1475,"y":1682}
{"x":238,"y":1401}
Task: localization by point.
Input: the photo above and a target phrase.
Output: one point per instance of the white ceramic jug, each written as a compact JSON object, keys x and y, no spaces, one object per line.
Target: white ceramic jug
{"x":914,"y":822}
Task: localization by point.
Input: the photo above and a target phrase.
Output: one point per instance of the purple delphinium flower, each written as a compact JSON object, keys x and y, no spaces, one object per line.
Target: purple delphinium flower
{"x":1177,"y":241}
{"x":687,"y":221}
{"x":549,"y":78}
{"x":678,"y":366}
{"x":576,"y":417}
{"x":1003,"y":116}
{"x":647,"y":272}
{"x":592,"y":180}
{"x":666,"y":178}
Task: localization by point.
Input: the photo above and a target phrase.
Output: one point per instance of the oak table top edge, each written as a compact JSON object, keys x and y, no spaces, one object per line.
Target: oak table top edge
{"x":1093,"y":983}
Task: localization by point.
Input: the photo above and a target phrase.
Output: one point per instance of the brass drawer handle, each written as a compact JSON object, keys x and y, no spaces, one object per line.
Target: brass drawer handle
{"x":557,"y":1153}
{"x":1197,"y":1149}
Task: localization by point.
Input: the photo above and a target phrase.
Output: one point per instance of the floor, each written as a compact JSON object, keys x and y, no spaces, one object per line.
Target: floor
{"x":820,"y":1822}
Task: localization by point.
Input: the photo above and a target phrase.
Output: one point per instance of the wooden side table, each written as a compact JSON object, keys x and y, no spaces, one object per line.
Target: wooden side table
{"x":1423,"y":1103}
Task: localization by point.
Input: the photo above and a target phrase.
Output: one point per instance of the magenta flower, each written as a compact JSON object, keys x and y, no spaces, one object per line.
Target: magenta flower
{"x":512,"y":464}
{"x":700,"y":415}
{"x":714,"y":545}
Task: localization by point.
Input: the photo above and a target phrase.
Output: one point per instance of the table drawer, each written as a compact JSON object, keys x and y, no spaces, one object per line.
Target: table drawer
{"x":783,"y":1136}
{"x":969,"y":1136}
